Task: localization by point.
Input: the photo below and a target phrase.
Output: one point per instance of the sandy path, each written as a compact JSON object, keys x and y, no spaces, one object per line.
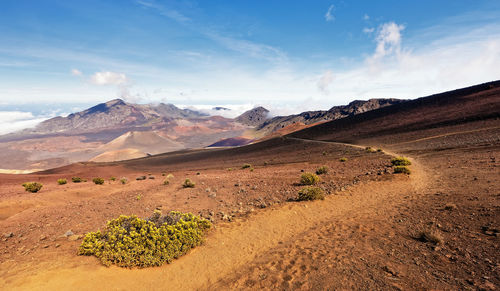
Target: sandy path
{"x":229,"y":248}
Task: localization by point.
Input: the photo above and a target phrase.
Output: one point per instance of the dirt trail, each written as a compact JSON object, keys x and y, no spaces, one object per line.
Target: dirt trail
{"x":230,"y":247}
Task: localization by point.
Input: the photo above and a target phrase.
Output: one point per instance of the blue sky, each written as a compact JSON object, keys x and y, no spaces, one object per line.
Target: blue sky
{"x":290,"y":56}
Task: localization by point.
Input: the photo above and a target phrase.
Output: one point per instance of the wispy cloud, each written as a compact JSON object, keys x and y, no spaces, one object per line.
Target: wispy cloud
{"x":168,"y":12}
{"x":109,"y":78}
{"x":366,"y":17}
{"x":329,"y":13}
{"x":388,"y":39}
{"x":325,"y":81}
{"x":76,"y":72}
{"x":368,"y":30}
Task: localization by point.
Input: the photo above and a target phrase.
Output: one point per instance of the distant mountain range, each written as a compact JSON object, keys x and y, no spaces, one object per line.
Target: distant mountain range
{"x":118,"y":130}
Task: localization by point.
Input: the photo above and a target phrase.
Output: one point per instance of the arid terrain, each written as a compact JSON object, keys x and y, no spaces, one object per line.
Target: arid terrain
{"x":366,"y":234}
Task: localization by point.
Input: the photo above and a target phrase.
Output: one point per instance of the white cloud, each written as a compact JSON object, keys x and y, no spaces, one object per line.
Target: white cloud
{"x":329,"y":14}
{"x":388,"y":39}
{"x":368,"y":30}
{"x":11,"y":121}
{"x":76,"y":72}
{"x":109,"y":78}
{"x":366,"y":17}
{"x":325,"y":81}
{"x":170,"y":13}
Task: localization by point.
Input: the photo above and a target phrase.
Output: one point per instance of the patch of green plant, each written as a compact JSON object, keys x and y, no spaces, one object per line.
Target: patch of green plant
{"x":138,"y":197}
{"x":402,"y":170}
{"x":246,"y":166}
{"x":112,"y":178}
{"x":32,"y":187}
{"x":370,"y":150}
{"x":62,"y":181}
{"x":166,"y":182}
{"x":309,"y":179}
{"x":129,"y":241}
{"x":310,"y":193}
{"x":170,"y":176}
{"x":400,"y":161}
{"x":98,"y":181}
{"x":343,"y":160}
{"x":229,"y":169}
{"x":76,"y":179}
{"x":188,"y":183}
{"x":123,"y":180}
{"x":322,"y":170}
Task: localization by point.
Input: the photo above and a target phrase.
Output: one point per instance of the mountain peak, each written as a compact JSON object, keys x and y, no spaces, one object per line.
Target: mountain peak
{"x":253,"y":117}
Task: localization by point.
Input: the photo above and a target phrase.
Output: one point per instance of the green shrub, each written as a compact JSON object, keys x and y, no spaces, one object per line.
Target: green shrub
{"x":400,"y":161}
{"x":129,"y":241}
{"x":32,"y":187}
{"x":166,"y":182}
{"x":343,"y":160}
{"x":322,"y":170}
{"x":370,"y":150}
{"x":309,"y":179}
{"x":98,"y":181}
{"x":188,"y":183}
{"x":138,"y":197}
{"x":310,"y":193}
{"x":62,"y":181}
{"x":170,"y":176}
{"x":123,"y":180}
{"x":112,"y":178}
{"x":229,"y":169}
{"x":76,"y":179}
{"x":246,"y":166}
{"x":402,"y":170}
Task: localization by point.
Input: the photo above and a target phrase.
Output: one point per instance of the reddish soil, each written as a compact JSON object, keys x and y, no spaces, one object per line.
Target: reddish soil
{"x":364,"y":235}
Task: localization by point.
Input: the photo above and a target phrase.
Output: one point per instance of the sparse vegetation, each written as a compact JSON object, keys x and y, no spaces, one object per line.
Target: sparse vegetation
{"x":170,"y":176}
{"x":246,"y":166}
{"x":343,"y":160}
{"x":310,"y":193}
{"x":138,"y":197}
{"x":76,"y":179}
{"x":432,"y":236}
{"x":402,"y":170}
{"x":322,"y":170}
{"x":32,"y":187}
{"x":309,"y":179}
{"x":129,"y":241}
{"x":112,"y":178}
{"x":123,"y":180}
{"x":166,"y":182}
{"x":229,"y":169}
{"x":400,"y":161}
{"x":188,"y":183}
{"x":62,"y":181}
{"x":98,"y":181}
{"x":370,"y":150}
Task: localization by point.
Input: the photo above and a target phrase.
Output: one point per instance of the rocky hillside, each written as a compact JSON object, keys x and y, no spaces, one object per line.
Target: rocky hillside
{"x":113,"y":114}
{"x":253,"y":117}
{"x":309,"y":117}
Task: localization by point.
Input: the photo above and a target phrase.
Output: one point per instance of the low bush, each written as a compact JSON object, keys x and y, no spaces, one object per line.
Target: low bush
{"x":400,"y":161}
{"x":343,"y":160}
{"x":370,"y":150}
{"x":229,"y":169}
{"x":188,"y":183}
{"x":322,"y":170}
{"x":402,"y":170}
{"x":309,"y":179}
{"x":311,"y":193}
{"x":32,"y":187}
{"x":170,"y":176}
{"x":76,"y":179}
{"x":129,"y":241}
{"x":430,"y":236}
{"x":62,"y":181}
{"x":246,"y":166}
{"x":98,"y":181}
{"x":166,"y":182}
{"x":123,"y":180}
{"x":112,"y":178}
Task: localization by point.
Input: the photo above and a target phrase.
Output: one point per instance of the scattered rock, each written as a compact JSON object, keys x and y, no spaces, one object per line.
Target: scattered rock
{"x":43,"y":237}
{"x":8,"y":234}
{"x":212,"y":195}
{"x":487,"y":285}
{"x":68,"y":233}
{"x":141,"y":178}
{"x":390,"y":270}
{"x":151,"y":177}
{"x":450,"y":206}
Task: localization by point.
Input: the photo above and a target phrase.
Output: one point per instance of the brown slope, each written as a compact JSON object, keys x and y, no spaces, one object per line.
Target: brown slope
{"x":480,"y":102}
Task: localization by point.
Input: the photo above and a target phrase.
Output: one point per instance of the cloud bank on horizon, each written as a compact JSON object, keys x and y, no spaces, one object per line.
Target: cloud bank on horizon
{"x":288,"y":58}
